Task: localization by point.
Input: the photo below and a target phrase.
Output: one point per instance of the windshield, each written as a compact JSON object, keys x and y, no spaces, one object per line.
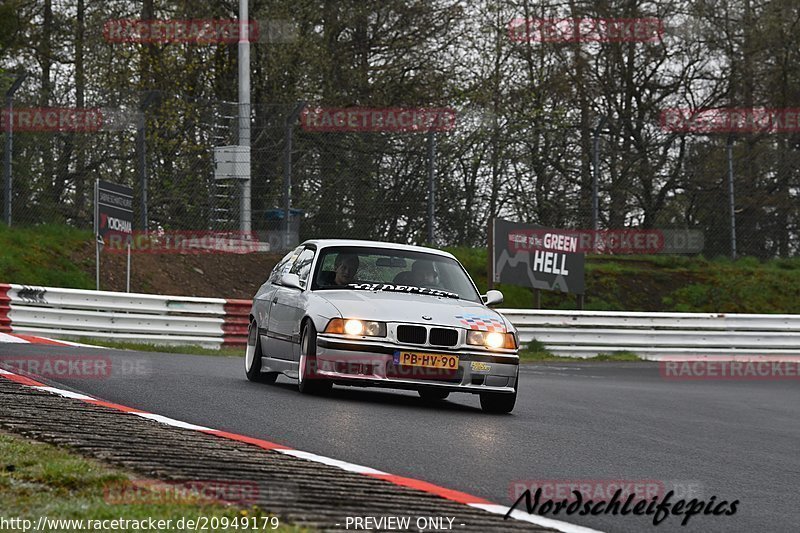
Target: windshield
{"x":344,"y":266}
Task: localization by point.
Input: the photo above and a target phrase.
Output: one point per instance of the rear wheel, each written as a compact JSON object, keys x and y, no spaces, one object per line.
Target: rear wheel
{"x":253,"y":355}
{"x":308,"y":379}
{"x":433,"y":394}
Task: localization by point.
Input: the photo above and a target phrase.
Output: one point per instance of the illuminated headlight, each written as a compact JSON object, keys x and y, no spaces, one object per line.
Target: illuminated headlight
{"x":491,"y":339}
{"x":352,"y":326}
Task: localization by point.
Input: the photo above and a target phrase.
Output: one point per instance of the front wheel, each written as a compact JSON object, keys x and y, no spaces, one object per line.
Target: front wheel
{"x":433,"y":394}
{"x":308,"y":379}
{"x":495,"y":402}
{"x":253,"y":355}
{"x":498,"y":402}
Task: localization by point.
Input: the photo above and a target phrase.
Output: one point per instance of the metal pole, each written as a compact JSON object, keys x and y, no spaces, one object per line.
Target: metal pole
{"x":7,"y":159}
{"x":96,"y":236}
{"x":287,"y":168}
{"x":10,"y":145}
{"x":431,"y":184}
{"x":97,"y":263}
{"x":128,"y":281}
{"x":141,"y":149}
{"x":596,"y":179}
{"x":596,"y":173}
{"x":287,"y":181}
{"x":244,"y":112}
{"x":731,"y":198}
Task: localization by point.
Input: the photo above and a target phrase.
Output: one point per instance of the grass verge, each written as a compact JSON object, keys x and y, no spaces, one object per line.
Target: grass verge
{"x":38,"y":479}
{"x":536,"y":352}
{"x":225,"y":351}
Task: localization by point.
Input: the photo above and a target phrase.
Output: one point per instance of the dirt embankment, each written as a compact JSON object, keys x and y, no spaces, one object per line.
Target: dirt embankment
{"x":212,"y":275}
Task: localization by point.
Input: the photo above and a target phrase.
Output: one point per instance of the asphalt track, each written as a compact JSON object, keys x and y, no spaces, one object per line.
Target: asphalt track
{"x":736,"y":440}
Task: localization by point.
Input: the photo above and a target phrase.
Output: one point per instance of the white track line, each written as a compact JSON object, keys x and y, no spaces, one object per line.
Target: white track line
{"x":65,"y":393}
{"x":533,"y":518}
{"x":564,"y":527}
{"x":350,"y":467}
{"x":5,"y":337}
{"x":171,"y":421}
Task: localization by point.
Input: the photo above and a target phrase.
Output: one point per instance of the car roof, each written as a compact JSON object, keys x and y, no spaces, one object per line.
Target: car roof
{"x":327,"y":243}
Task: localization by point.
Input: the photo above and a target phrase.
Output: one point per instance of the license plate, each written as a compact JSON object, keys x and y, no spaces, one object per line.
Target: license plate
{"x":429,"y":360}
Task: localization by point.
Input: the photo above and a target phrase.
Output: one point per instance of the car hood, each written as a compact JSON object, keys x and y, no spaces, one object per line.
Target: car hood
{"x":388,"y":306}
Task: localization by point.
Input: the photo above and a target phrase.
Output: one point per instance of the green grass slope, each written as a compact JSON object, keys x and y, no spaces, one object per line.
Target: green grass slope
{"x":60,"y":256}
{"x":43,"y":255}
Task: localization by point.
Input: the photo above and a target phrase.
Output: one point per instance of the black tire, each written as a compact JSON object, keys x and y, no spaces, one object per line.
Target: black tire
{"x":433,"y":394}
{"x":254,"y":372}
{"x":499,"y":402}
{"x":308,"y":381}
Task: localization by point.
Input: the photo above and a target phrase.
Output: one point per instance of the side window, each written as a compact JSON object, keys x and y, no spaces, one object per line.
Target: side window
{"x":302,"y":267}
{"x":283,"y":266}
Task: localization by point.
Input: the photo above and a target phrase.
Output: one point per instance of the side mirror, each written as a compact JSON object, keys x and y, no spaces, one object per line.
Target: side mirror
{"x":492,"y":298}
{"x":291,"y":280}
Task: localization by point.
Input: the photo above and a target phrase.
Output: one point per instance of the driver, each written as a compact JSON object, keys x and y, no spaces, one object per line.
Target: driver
{"x":345,"y":267}
{"x":424,"y":274}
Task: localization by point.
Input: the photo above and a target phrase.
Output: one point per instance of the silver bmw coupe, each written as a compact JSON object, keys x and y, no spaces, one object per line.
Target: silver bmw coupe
{"x":365,"y":313}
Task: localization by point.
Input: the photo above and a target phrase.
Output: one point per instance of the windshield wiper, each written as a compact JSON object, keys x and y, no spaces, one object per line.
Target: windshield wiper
{"x":411,"y":289}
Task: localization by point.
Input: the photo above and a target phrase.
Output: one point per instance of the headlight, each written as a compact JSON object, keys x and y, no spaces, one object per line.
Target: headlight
{"x":352,"y":326}
{"x":491,"y":339}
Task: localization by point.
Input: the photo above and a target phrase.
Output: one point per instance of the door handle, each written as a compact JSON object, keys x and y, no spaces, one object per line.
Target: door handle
{"x":274,"y":300}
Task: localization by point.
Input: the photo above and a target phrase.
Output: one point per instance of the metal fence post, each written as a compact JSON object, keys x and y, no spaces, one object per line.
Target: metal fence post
{"x":596,"y":172}
{"x":141,"y":149}
{"x":245,"y":216}
{"x":10,"y":146}
{"x":731,"y":202}
{"x":287,"y":169}
{"x":431,"y":185}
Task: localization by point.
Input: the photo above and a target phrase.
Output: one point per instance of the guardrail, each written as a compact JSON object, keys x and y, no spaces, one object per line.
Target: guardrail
{"x":120,"y":316}
{"x":658,"y":335}
{"x":214,"y":322}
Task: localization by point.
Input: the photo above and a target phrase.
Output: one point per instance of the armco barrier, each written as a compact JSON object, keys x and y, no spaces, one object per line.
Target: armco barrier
{"x":5,"y":322}
{"x":659,"y":335}
{"x":214,"y":322}
{"x":119,"y":316}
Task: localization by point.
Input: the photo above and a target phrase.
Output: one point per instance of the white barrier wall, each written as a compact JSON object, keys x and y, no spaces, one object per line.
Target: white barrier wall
{"x":119,"y":316}
{"x":658,"y":335}
{"x":213,"y":322}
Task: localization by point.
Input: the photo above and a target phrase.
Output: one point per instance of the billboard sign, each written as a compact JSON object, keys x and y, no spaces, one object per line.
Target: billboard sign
{"x":516,"y":261}
{"x":113,"y":211}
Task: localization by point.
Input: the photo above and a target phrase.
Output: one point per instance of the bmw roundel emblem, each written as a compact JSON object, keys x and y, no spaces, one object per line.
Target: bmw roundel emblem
{"x":426,"y":317}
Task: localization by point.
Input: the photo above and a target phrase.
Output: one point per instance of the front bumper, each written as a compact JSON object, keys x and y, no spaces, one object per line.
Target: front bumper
{"x":372,"y":364}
